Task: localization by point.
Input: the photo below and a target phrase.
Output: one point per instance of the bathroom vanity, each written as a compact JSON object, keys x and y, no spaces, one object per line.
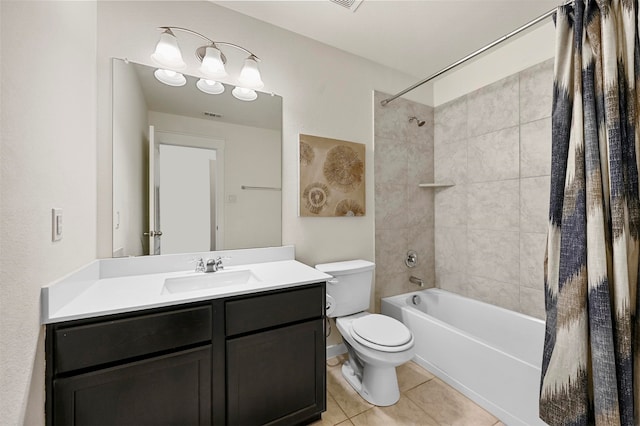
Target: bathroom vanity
{"x":248,"y":355}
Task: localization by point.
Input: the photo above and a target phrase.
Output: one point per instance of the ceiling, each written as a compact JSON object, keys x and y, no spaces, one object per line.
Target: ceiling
{"x":416,"y":37}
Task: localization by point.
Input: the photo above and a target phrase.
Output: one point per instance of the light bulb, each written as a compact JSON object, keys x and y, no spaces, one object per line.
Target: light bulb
{"x":210,"y":87}
{"x":244,"y":94}
{"x":170,"y":78}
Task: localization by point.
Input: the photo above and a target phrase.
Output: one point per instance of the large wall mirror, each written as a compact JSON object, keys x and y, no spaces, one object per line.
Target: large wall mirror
{"x":192,"y":171}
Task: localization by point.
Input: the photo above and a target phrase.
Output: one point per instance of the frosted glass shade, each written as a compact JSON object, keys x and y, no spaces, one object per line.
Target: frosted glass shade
{"x":167,"y":53}
{"x":244,"y":94}
{"x":212,"y":64}
{"x":210,"y":87}
{"x":250,"y":75}
{"x":170,"y":78}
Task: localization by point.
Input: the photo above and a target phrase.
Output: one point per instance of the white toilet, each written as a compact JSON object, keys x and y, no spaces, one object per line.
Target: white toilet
{"x":377,"y":344}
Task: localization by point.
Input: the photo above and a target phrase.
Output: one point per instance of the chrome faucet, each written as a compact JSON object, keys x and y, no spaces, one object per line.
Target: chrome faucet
{"x":214,"y":265}
{"x":417,"y":281}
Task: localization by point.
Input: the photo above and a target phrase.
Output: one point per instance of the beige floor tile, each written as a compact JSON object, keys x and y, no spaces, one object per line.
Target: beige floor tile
{"x":347,"y":398}
{"x":425,"y":401}
{"x":334,"y":414}
{"x":404,"y":412}
{"x":411,"y":375}
{"x":448,"y":406}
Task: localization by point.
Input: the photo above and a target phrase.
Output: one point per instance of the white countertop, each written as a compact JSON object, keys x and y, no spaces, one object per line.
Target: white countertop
{"x":97,"y":290}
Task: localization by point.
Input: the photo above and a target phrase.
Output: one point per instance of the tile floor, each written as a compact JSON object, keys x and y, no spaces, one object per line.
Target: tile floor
{"x":424,"y":400}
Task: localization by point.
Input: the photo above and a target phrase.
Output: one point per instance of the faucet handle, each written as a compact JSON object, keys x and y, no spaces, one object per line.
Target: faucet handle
{"x":199,"y":264}
{"x":219,"y":264}
{"x":219,"y":260}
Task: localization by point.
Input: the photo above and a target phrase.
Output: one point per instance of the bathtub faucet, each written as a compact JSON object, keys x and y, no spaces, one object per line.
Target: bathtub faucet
{"x":417,"y":281}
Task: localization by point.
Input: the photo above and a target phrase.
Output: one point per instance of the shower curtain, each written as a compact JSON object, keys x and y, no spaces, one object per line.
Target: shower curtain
{"x":590,"y":366}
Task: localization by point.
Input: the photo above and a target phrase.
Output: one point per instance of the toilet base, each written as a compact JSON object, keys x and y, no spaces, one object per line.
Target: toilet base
{"x":380,"y":384}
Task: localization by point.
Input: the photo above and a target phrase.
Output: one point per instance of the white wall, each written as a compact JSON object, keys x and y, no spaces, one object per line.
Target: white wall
{"x":326,"y":92}
{"x":130,"y":150}
{"x":48,"y":160}
{"x":517,"y":54}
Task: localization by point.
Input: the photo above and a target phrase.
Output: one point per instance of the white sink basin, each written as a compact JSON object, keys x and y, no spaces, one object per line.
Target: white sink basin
{"x":203,"y":281}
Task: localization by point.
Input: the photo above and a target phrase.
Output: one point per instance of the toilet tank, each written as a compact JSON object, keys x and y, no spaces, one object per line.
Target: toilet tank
{"x":350,"y":287}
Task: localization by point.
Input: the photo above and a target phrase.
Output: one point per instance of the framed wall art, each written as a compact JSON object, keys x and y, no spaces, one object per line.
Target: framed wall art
{"x":332,"y":177}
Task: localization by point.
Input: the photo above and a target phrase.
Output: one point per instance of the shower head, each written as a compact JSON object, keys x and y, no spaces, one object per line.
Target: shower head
{"x":419,"y":122}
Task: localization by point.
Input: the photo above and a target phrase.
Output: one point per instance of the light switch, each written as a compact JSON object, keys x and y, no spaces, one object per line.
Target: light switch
{"x":56,"y":224}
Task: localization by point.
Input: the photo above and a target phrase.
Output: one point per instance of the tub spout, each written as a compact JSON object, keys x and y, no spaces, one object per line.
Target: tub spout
{"x":417,"y":281}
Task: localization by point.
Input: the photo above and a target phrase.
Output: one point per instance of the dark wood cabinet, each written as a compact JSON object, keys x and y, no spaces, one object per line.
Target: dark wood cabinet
{"x":244,"y":360}
{"x":276,"y":361}
{"x":172,"y":389}
{"x":93,"y":343}
{"x":274,"y":377}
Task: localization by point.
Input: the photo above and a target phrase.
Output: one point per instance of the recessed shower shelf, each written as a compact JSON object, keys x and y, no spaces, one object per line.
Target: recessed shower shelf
{"x":436,"y":185}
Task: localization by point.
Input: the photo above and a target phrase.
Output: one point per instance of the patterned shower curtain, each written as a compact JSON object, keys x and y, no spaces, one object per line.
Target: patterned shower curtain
{"x":591,"y":358}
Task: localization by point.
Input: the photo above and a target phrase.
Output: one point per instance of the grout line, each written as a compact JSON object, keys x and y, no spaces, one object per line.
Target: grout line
{"x":356,"y":415}
{"x":419,"y":384}
{"x":417,"y":404}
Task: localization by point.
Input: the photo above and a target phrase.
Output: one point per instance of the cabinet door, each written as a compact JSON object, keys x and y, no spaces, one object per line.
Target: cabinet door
{"x":278,"y":376}
{"x":173,"y":389}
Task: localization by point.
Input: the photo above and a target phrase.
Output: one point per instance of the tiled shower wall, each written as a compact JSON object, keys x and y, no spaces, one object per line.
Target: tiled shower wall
{"x":490,"y":228}
{"x":403,"y":157}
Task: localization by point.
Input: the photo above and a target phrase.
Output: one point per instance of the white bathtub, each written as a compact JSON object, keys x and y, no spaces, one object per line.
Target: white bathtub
{"x":490,"y":354}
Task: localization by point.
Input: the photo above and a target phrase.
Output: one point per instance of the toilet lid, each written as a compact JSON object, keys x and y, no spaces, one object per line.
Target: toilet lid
{"x":381,"y":330}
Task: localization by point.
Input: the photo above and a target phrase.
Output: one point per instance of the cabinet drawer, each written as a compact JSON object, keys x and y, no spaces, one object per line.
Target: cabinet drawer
{"x":103,"y":342}
{"x":264,"y":311}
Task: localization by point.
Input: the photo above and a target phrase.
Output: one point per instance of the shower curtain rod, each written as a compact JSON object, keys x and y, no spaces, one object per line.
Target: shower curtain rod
{"x":472,"y":55}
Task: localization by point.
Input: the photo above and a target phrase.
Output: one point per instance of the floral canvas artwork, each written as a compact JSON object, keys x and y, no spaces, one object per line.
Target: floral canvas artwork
{"x":332,"y":177}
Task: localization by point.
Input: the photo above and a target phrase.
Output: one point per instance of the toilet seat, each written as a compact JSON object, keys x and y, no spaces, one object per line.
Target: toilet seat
{"x":382,"y":333}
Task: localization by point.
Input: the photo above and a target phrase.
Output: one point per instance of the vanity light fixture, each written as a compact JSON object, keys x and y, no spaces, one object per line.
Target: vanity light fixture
{"x":168,"y":56}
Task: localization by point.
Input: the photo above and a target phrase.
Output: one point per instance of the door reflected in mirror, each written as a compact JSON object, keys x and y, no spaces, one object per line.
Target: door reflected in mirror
{"x":192,"y":171}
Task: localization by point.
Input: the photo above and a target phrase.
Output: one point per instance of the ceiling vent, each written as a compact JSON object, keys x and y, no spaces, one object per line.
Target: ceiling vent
{"x":352,"y":5}
{"x":212,"y":114}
